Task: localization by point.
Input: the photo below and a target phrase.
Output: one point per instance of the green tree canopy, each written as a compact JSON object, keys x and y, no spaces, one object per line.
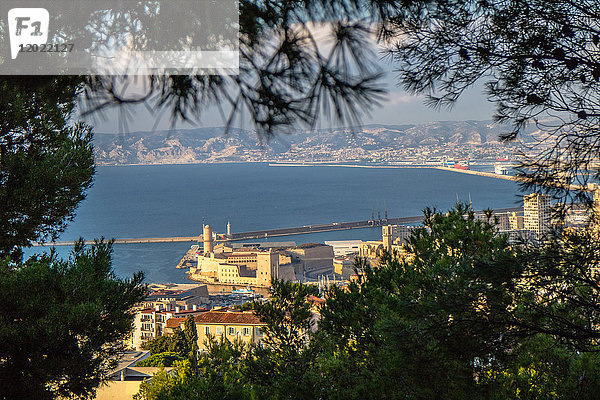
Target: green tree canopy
{"x":166,"y":359}
{"x":429,"y":321}
{"x":62,"y":322}
{"x":219,"y":375}
{"x":46,"y":164}
{"x":279,"y":366}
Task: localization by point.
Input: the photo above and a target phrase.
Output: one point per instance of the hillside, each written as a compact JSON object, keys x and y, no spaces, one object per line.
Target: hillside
{"x":368,"y":143}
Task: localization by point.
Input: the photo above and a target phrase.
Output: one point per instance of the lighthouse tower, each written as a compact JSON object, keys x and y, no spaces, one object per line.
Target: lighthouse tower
{"x":208,"y":239}
{"x":228,"y":229}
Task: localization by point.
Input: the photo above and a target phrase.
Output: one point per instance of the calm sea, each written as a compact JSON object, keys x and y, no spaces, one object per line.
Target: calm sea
{"x":175,"y":200}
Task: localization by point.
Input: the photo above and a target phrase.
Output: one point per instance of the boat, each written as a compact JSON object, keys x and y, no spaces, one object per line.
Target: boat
{"x":463,"y":164}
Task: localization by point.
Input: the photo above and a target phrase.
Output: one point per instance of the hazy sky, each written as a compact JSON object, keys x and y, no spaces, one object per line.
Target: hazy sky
{"x":399,"y":108}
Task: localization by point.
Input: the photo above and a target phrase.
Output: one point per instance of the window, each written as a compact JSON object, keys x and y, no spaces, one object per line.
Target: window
{"x":219,"y":330}
{"x":231,"y":331}
{"x":207,"y":330}
{"x":257,"y":331}
{"x":246,"y":331}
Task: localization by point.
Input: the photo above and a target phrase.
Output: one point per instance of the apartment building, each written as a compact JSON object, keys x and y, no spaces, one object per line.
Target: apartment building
{"x":232,"y":325}
{"x":537,"y":214}
{"x":149,"y":323}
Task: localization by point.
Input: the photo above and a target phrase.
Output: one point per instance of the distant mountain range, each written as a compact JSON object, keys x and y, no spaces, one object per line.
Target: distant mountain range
{"x":210,"y":145}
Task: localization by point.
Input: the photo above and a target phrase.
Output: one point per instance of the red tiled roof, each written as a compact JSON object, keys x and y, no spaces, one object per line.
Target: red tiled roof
{"x":228,"y":318}
{"x":175,"y":322}
{"x":315,"y":299}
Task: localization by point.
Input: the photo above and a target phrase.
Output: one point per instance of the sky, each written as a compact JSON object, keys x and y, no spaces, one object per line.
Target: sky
{"x":399,"y":107}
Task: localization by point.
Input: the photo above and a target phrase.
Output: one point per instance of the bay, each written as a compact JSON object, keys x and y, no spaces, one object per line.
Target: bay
{"x":175,"y":200}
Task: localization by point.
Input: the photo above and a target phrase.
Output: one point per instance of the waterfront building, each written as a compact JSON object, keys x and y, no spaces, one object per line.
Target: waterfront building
{"x":173,"y":295}
{"x":344,"y":247}
{"x":256,"y":264}
{"x":394,"y":235}
{"x":224,"y":264}
{"x":537,"y":214}
{"x":244,"y":267}
{"x":314,"y":257}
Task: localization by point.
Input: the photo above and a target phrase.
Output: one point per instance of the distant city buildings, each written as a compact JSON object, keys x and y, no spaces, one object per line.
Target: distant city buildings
{"x":123,"y":381}
{"x":515,"y":222}
{"x":316,"y":258}
{"x":343,"y":248}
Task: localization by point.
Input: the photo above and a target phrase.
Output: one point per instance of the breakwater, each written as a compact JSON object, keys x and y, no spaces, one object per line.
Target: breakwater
{"x":266,"y":233}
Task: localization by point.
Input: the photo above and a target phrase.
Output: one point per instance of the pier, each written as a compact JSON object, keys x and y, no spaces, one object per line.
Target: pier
{"x":267,"y":233}
{"x":575,"y":188}
{"x":480,"y":173}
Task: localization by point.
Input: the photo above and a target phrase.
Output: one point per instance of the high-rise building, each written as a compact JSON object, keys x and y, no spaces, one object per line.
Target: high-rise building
{"x":537,"y":214}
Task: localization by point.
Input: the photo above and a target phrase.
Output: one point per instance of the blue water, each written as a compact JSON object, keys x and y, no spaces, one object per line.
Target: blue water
{"x":175,"y":200}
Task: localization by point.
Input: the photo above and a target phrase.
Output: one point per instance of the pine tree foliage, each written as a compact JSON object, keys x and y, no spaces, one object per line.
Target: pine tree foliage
{"x":62,"y":322}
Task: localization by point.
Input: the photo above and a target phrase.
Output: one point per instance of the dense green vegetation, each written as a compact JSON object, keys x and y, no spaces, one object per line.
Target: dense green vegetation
{"x":164,"y":359}
{"x":61,"y":321}
{"x":463,"y":315}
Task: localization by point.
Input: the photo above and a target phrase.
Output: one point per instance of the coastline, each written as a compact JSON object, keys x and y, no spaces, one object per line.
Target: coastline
{"x":349,"y":164}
